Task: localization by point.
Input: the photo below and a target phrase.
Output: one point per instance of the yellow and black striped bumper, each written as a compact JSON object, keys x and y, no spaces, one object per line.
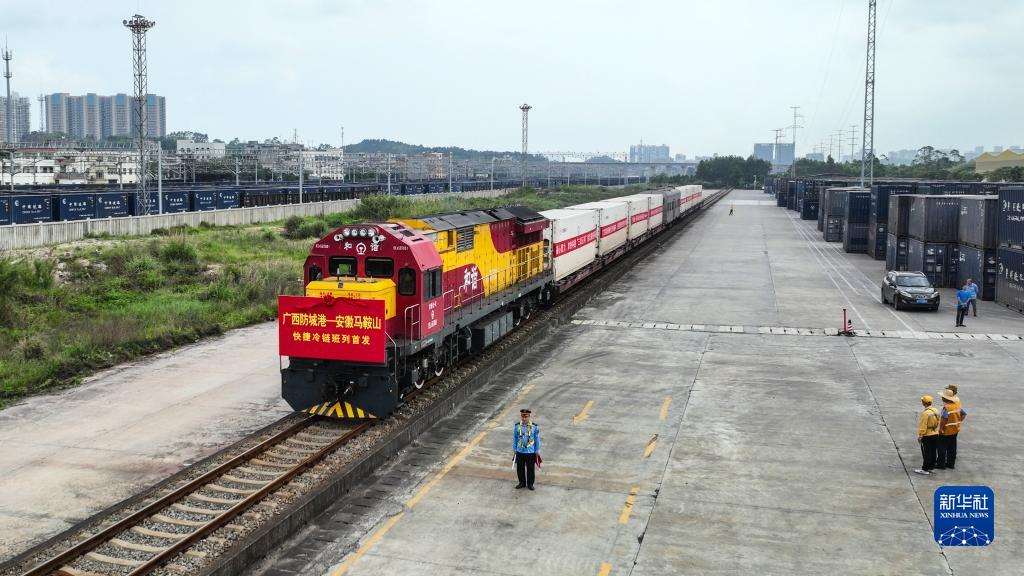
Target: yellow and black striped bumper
{"x":342,"y":410}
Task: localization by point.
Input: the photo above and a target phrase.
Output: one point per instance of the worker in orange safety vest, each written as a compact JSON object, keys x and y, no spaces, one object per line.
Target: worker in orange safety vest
{"x":952,"y":417}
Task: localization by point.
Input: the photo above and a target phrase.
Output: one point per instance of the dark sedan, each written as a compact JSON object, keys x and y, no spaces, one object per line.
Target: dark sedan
{"x":909,"y":290}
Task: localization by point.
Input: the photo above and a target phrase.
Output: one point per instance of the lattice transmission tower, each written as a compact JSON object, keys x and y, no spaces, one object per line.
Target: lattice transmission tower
{"x":526,"y":123}
{"x":139,"y":26}
{"x":867,"y":163}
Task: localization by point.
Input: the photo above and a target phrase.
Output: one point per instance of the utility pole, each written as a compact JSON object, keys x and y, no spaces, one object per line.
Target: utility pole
{"x":139,"y":26}
{"x":160,"y":176}
{"x":300,"y":175}
{"x":526,"y":113}
{"x":9,"y":137}
{"x":450,"y":155}
{"x":42,"y":114}
{"x":342,"y":153}
{"x":795,"y":125}
{"x":853,"y":140}
{"x":867,"y":151}
{"x":492,"y":173}
{"x":389,"y":174}
{"x":775,"y":150}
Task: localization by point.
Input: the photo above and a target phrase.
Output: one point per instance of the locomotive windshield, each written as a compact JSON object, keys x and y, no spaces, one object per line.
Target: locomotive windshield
{"x":342,"y":266}
{"x":380,"y":267}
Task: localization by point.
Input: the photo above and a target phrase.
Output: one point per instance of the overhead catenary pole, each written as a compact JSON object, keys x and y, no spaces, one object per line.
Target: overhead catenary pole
{"x":853,"y":140}
{"x":160,"y":176}
{"x":776,"y":156}
{"x":526,"y":122}
{"x":9,"y":136}
{"x":796,"y":116}
{"x":139,"y":26}
{"x":42,"y":113}
{"x":867,"y":151}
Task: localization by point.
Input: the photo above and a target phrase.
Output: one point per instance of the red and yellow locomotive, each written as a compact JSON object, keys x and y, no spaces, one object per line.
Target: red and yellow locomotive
{"x":389,"y":305}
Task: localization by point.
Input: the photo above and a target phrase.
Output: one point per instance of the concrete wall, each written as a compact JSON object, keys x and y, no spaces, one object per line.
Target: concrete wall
{"x":16,"y":236}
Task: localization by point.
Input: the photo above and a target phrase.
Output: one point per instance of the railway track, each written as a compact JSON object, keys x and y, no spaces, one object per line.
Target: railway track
{"x":151,"y":536}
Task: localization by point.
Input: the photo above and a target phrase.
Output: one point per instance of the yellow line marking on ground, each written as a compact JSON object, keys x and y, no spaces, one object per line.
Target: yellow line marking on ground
{"x":422,"y":492}
{"x":664,"y":408}
{"x":583,"y":413}
{"x":606,"y":569}
{"x":630,"y":500}
{"x":651,"y":445}
{"x":370,"y":542}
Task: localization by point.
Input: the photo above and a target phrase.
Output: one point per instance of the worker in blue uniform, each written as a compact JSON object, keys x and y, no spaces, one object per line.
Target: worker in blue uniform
{"x":526,"y":444}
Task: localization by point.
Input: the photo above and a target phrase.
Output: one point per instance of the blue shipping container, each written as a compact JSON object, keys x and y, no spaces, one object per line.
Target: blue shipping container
{"x":74,"y":207}
{"x":1011,"y":216}
{"x":30,"y":209}
{"x":202,"y":200}
{"x":176,"y":201}
{"x":5,"y":210}
{"x":113,"y":204}
{"x":227,"y":199}
{"x":1010,"y":278}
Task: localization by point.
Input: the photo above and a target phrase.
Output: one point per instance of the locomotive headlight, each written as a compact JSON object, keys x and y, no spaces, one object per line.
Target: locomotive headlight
{"x":371,"y":232}
{"x":344,"y":232}
{"x":362,"y":232}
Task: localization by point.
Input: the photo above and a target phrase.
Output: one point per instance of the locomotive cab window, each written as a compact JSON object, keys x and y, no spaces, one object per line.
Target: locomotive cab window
{"x":341,"y":266}
{"x":407,"y":282}
{"x":431,"y":284}
{"x":379,"y":267}
{"x":315,"y":273}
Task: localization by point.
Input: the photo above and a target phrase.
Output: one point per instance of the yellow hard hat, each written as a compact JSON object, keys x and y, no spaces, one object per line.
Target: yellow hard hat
{"x":926,"y":399}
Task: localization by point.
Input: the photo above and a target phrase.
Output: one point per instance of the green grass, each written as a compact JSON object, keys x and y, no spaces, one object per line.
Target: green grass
{"x":62,"y":318}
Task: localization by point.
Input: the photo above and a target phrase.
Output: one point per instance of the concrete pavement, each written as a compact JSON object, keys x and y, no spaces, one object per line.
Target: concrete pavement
{"x":702,"y":450}
{"x":68,"y":455}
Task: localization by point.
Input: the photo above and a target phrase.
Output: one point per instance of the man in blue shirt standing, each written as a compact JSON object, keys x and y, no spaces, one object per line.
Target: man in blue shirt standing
{"x":973,"y":302}
{"x":526,"y":443}
{"x":963,"y":298}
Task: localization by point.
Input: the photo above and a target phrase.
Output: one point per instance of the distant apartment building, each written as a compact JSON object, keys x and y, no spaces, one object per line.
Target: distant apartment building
{"x":649,"y":153}
{"x":94,"y":116}
{"x":819,"y":156}
{"x":764,"y":151}
{"x":84,"y":116}
{"x":21,"y":109}
{"x":784,"y":155}
{"x":116,"y":115}
{"x":200,"y":150}
{"x":680,"y":157}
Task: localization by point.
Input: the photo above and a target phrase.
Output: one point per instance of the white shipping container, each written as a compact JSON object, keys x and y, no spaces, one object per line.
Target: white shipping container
{"x":655,"y":207}
{"x":689,"y":196}
{"x":572,"y":239}
{"x":612,"y":220}
{"x":637,"y":215}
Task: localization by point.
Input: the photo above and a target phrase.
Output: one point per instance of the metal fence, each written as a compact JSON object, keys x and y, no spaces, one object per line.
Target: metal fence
{"x":18,"y":236}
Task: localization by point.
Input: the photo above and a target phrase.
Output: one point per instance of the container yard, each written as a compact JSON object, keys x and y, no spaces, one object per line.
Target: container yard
{"x":950,"y":231}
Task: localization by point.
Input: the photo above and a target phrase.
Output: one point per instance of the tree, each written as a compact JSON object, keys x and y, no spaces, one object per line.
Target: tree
{"x":1006,"y":174}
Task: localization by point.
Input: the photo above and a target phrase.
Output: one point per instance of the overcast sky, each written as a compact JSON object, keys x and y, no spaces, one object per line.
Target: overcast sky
{"x":703,"y":77}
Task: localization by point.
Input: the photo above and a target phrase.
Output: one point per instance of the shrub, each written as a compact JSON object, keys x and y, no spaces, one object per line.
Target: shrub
{"x":311,"y":229}
{"x":291,"y":226}
{"x":180,"y":252}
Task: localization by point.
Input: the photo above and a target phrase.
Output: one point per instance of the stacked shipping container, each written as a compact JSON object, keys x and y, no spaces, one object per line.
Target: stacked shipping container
{"x":1010,"y":254}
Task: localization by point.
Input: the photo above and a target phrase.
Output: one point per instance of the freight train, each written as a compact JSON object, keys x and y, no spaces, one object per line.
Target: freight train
{"x":389,"y":305}
{"x":31,"y":205}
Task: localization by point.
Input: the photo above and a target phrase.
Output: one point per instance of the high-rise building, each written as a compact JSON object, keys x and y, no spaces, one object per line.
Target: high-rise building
{"x":93,"y":116}
{"x":784,"y":154}
{"x":764,"y":151}
{"x":84,"y":116}
{"x":115,"y":115}
{"x":57,"y":113}
{"x":20,"y":116}
{"x":156,"y":116}
{"x":648,"y":153}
